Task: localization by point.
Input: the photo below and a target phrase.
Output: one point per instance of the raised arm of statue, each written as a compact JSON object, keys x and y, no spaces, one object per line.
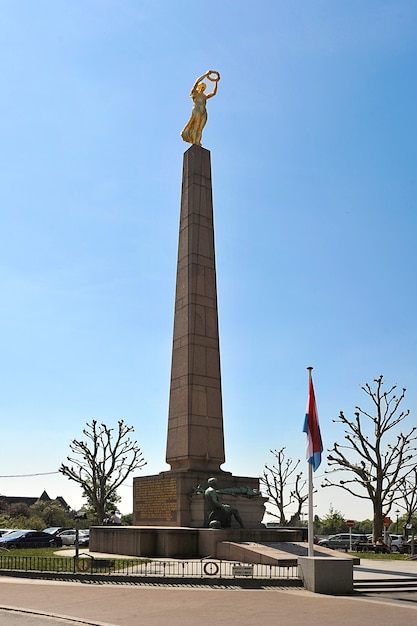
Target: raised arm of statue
{"x":211,"y":75}
{"x":193,"y":130}
{"x":197,"y":82}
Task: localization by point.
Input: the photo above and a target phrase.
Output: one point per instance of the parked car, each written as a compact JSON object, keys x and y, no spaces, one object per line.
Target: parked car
{"x":342,"y":541}
{"x":84,"y":538}
{"x":398,"y":543}
{"x":29,"y":539}
{"x":55,"y":530}
{"x":68,"y":537}
{"x":4,"y":531}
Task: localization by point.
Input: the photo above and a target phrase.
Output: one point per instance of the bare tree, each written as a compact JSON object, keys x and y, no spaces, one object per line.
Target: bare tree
{"x":103,"y":462}
{"x":408,"y":491}
{"x":281,"y":479}
{"x":378,"y":467}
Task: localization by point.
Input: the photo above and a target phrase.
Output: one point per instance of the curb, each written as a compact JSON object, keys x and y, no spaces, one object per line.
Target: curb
{"x":57,"y":616}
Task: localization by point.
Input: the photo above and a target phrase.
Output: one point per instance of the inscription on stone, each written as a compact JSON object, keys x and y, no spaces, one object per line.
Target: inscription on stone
{"x":242,"y":570}
{"x":156,"y":499}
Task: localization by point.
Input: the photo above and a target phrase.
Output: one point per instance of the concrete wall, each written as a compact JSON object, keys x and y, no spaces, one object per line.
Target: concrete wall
{"x":179,"y":542}
{"x":326,"y":574}
{"x":145,"y":541}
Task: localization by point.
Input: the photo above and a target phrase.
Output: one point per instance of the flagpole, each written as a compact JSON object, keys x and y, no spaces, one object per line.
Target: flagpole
{"x":310,"y":495}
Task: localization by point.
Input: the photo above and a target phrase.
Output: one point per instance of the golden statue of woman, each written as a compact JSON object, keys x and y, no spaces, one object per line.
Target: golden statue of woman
{"x":194,"y":129}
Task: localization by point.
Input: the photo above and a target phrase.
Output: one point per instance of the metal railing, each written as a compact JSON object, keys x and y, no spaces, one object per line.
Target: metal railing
{"x":37,"y":563}
{"x":169,"y":568}
{"x":207,"y":568}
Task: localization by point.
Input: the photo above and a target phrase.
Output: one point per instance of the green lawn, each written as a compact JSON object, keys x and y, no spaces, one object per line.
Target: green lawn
{"x":34,"y":552}
{"x":55,"y":559}
{"x":394,"y":556}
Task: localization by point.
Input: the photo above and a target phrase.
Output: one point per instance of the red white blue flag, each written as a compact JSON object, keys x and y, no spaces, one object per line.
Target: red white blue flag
{"x":312,"y":429}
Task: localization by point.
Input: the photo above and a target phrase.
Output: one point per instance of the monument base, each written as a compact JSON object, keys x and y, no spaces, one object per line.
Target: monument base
{"x":181,"y":543}
{"x":176,"y":498}
{"x":332,"y":576}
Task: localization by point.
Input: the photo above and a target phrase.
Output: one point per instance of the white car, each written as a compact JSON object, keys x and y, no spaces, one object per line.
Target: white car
{"x":398,"y":543}
{"x":68,"y":537}
{"x":342,"y":541}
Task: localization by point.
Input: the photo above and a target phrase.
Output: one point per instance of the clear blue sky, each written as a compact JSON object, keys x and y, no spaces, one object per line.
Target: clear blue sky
{"x":313,"y":137}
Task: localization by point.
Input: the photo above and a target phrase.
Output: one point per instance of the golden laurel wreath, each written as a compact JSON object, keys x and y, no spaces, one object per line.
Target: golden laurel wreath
{"x":216,"y":76}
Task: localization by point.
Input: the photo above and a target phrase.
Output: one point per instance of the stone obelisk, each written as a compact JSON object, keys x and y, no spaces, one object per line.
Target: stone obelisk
{"x":195,"y":442}
{"x":195,"y":420}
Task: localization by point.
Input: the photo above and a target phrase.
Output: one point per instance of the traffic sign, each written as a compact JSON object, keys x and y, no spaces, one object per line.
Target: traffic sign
{"x":350,"y":523}
{"x":387,"y":521}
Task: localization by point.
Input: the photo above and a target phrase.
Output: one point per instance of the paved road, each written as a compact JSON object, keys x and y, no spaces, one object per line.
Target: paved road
{"x":124,"y":605}
{"x":158,"y":605}
{"x":400,"y":597}
{"x":21,"y":618}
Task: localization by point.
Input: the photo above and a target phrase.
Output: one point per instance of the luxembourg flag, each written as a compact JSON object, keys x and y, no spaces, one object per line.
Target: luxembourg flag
{"x":312,"y":429}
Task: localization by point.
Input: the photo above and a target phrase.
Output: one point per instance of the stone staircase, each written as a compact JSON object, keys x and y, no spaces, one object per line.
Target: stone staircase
{"x":378,"y":585}
{"x":283,"y":553}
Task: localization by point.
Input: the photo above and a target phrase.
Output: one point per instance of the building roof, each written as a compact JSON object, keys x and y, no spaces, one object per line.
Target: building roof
{"x":44,"y":497}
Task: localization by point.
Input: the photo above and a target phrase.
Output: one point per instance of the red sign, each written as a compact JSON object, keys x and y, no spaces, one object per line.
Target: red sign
{"x":387,"y":521}
{"x":350,"y":523}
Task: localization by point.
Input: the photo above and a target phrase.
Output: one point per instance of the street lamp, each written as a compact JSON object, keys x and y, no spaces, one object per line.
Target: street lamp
{"x":397,"y":513}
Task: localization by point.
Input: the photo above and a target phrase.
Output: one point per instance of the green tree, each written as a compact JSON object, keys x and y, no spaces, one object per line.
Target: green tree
{"x":17,"y":522}
{"x":38,"y":516}
{"x":333,"y":523}
{"x":19,"y":509}
{"x":127,"y":520}
{"x":377,"y":466}
{"x":364,"y":527}
{"x":102,"y":462}
{"x":51,"y":513}
{"x":90,"y":509}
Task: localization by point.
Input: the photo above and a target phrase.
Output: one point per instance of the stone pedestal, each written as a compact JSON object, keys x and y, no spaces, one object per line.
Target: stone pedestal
{"x":176,"y":499}
{"x":233,"y":544}
{"x":328,"y":575}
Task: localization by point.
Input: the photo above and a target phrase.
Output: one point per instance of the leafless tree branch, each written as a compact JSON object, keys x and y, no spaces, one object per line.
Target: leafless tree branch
{"x":102,"y":462}
{"x":379,"y":468}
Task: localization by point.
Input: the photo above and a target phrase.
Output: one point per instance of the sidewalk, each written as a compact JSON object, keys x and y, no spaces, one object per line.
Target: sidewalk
{"x":373,"y":569}
{"x":158,"y":605}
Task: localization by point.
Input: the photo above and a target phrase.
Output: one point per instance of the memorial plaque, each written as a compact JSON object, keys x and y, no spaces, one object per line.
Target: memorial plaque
{"x":156,"y":499}
{"x":242,"y":570}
